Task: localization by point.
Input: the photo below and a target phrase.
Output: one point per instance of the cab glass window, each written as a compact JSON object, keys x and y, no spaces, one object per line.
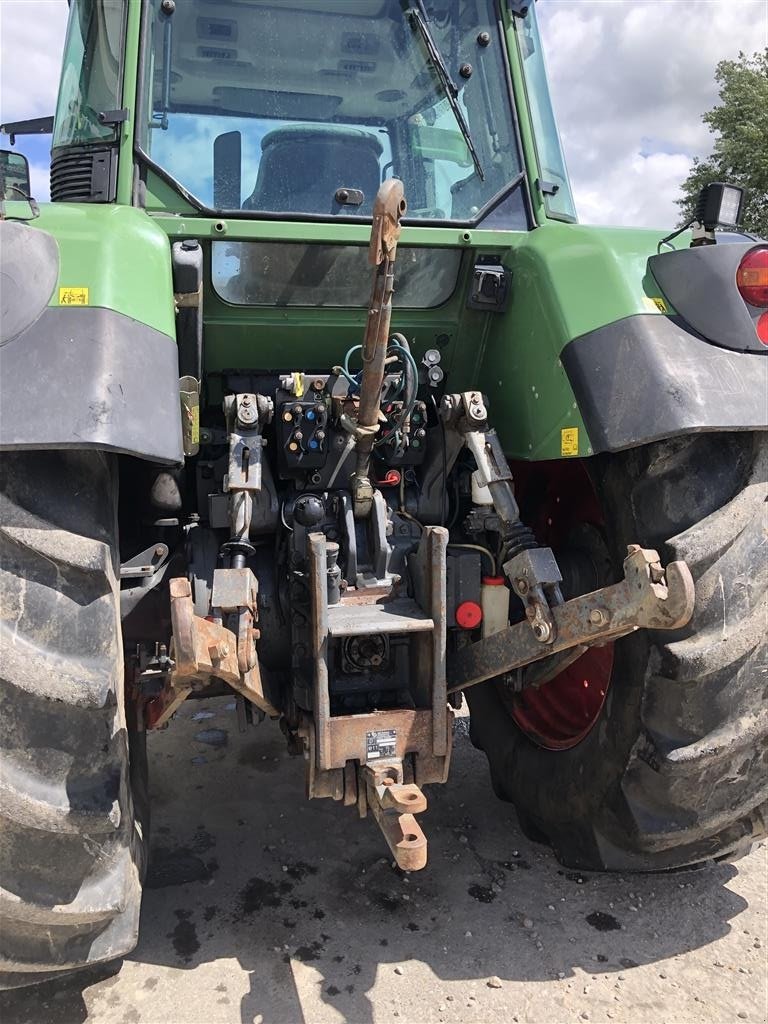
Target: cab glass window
{"x":549,"y":149}
{"x":283,"y":106}
{"x":276,"y":274}
{"x":91,"y":72}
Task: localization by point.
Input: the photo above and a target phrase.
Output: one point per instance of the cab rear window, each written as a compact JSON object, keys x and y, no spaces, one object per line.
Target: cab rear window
{"x":296,"y":274}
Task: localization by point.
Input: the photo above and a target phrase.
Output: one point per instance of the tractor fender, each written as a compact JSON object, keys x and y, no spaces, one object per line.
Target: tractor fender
{"x":75,"y":374}
{"x":649,"y":377}
{"x":606,"y":346}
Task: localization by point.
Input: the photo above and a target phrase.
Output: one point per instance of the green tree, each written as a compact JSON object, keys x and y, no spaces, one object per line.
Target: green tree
{"x":740,"y":152}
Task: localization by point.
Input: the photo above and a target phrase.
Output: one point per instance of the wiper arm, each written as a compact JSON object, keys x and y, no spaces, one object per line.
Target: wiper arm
{"x":418,"y":21}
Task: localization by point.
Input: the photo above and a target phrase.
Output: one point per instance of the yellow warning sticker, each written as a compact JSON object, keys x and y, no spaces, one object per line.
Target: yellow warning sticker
{"x":73,"y":296}
{"x":195,"y":425}
{"x":569,"y":441}
{"x":655,"y":305}
{"x":298,"y":385}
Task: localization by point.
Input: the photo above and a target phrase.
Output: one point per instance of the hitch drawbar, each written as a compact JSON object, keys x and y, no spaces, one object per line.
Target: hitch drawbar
{"x":649,"y":597}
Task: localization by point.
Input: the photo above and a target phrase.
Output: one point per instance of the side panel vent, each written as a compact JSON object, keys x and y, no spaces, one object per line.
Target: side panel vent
{"x":84,"y":174}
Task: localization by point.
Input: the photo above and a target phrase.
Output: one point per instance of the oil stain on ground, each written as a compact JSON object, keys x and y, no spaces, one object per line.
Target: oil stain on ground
{"x":300,"y":870}
{"x":386,"y":901}
{"x":176,"y":867}
{"x":603,"y":922}
{"x":306,"y":954}
{"x":482,"y":893}
{"x":184,"y":936}
{"x":260,"y":893}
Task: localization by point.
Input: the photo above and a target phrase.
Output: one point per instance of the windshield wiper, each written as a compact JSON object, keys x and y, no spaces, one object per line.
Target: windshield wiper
{"x":418,"y":21}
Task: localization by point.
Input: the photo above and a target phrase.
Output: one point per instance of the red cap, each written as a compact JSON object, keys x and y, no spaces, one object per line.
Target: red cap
{"x":469,"y":615}
{"x":391,"y":479}
{"x":494,"y":581}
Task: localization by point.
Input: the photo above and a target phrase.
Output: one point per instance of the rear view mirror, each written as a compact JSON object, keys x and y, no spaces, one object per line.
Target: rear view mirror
{"x":226,"y":171}
{"x":14,"y":175}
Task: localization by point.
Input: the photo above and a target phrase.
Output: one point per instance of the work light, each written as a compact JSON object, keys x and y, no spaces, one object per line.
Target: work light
{"x":719,"y":204}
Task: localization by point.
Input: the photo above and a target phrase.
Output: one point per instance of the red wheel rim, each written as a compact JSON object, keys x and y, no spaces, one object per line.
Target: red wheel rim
{"x":559,"y":714}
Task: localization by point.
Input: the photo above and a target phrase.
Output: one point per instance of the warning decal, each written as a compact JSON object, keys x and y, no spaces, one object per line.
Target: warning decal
{"x":381,"y":744}
{"x":73,"y":296}
{"x":569,"y":441}
{"x":655,"y":304}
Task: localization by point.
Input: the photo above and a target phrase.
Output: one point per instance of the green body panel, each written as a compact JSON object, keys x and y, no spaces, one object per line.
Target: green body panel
{"x":119,"y":254}
{"x":567,"y":279}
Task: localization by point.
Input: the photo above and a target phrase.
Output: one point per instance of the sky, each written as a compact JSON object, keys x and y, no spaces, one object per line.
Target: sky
{"x":630,"y":80}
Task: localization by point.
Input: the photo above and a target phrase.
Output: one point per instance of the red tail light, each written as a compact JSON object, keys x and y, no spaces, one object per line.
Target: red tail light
{"x":752,"y":277}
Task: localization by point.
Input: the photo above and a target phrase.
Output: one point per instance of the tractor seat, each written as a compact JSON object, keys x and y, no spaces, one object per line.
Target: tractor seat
{"x":302,"y":167}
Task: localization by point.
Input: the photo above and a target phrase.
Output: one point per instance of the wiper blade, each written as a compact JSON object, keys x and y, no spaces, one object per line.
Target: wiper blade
{"x":418,"y":21}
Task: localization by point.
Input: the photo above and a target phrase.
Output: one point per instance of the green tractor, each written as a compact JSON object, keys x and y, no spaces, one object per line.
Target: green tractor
{"x":234,"y":463}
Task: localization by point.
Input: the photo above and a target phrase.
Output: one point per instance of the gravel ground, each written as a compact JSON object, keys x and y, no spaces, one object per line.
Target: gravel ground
{"x":264,"y":908}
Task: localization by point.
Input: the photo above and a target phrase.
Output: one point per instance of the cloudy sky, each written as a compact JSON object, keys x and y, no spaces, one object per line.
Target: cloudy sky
{"x":630,"y":80}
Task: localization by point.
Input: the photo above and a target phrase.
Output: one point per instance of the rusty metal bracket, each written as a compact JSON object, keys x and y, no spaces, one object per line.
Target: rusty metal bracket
{"x":648,"y":597}
{"x":203,"y":650}
{"x":388,"y":207}
{"x":535,"y":578}
{"x":393,"y":805}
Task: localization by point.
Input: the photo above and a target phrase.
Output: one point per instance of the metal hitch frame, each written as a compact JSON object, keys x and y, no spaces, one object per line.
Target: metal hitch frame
{"x":344,"y":761}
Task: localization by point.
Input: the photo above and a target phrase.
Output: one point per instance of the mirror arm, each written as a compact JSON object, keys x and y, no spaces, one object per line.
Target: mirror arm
{"x":32,"y":126}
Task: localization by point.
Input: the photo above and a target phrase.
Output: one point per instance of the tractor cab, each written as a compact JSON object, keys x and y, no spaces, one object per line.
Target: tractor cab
{"x":293,"y":108}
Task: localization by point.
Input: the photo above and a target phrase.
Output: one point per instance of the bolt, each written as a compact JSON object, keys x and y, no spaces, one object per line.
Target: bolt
{"x":246,"y":400}
{"x":159,"y":551}
{"x":466,"y":70}
{"x":168,"y":6}
{"x":598,"y":617}
{"x":541,"y":631}
{"x":484,"y":39}
{"x":218,"y":651}
{"x":521,"y":586}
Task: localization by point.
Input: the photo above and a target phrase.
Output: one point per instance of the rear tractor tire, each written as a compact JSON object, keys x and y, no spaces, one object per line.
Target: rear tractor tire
{"x":72,"y":848}
{"x":652,"y":753}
